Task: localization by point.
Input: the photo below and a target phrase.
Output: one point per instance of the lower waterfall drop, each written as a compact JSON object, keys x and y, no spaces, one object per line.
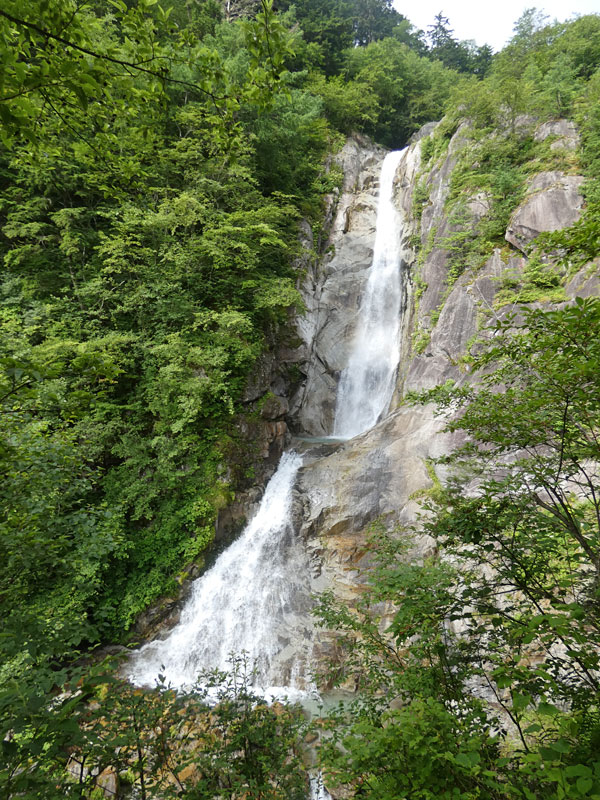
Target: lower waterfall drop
{"x":367,"y":383}
{"x":245,"y":602}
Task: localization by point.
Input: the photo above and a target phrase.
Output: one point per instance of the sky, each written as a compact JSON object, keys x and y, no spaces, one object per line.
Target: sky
{"x":488,"y":22}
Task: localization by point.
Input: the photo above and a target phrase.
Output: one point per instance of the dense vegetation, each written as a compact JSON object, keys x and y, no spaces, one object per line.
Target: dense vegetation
{"x":485,"y":682}
{"x":154,"y":164}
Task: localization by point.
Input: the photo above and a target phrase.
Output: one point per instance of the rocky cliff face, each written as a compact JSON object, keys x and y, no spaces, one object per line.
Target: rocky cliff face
{"x":378,"y":474}
{"x":332,"y":287}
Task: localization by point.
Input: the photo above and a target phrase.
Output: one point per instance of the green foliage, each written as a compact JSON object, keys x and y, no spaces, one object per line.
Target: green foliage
{"x":147,"y":240}
{"x":547,"y":368}
{"x":465,"y":246}
{"x":410,"y":90}
{"x":461,"y":56}
{"x":433,"y":741}
{"x":427,"y":150}
{"x":330,"y":27}
{"x":296,"y":125}
{"x":421,"y":192}
{"x":541,"y":281}
{"x":349,"y":105}
{"x":59,"y":57}
{"x":219,"y":737}
{"x":559,"y":86}
{"x":95,"y":70}
{"x":478,"y":668}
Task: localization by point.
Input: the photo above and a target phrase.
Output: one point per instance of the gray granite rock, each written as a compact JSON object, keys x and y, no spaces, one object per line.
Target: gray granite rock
{"x":586,"y":283}
{"x":382,"y":473}
{"x":553,"y":202}
{"x":376,"y":476}
{"x":333,"y":291}
{"x":563,"y":131}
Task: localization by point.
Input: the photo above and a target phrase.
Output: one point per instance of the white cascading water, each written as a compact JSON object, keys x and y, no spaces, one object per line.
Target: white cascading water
{"x":367,"y":383}
{"x":317,"y":788}
{"x":245,"y":602}
{"x":251,"y":600}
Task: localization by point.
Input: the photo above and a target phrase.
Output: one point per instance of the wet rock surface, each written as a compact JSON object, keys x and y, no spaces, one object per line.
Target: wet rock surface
{"x":332,"y":289}
{"x":375,"y":476}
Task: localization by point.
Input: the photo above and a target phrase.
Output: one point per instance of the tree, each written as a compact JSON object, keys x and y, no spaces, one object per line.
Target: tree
{"x":462,"y":56}
{"x":336,"y":26}
{"x":72,"y":63}
{"x":58,"y":59}
{"x":374,"y":19}
{"x":540,"y":434}
{"x":443,"y":45}
{"x":327,"y":25}
{"x":478,"y":669}
{"x":559,"y":86}
{"x":220,"y":738}
{"x":529,"y":24}
{"x":412,"y":730}
{"x":580,"y":41}
{"x":440,"y":33}
{"x":409,"y":89}
{"x":481,"y":59}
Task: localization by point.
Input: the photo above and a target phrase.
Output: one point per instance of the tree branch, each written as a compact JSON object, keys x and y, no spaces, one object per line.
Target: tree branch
{"x":105,"y":57}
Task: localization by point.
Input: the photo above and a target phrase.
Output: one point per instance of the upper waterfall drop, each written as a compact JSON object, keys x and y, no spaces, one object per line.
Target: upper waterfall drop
{"x":246,"y":602}
{"x":367,"y":383}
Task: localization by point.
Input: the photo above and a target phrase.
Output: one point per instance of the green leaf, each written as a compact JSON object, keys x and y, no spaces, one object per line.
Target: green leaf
{"x":560,"y":746}
{"x":470,"y":759}
{"x":578,"y":770}
{"x":520,"y":701}
{"x":584,"y":785}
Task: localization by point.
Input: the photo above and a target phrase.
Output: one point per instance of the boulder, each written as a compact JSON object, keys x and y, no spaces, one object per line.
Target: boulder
{"x":563,"y":131}
{"x":586,"y":283}
{"x":108,"y":782}
{"x":424,"y":130}
{"x":274,"y":407}
{"x":553,"y":201}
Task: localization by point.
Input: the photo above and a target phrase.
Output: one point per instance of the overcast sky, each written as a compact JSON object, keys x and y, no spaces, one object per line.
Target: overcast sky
{"x":488,"y":22}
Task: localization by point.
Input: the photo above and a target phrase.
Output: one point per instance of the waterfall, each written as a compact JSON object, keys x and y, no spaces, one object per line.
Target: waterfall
{"x":248,"y":601}
{"x":255,"y":598}
{"x":367,"y":383}
{"x":317,"y":788}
